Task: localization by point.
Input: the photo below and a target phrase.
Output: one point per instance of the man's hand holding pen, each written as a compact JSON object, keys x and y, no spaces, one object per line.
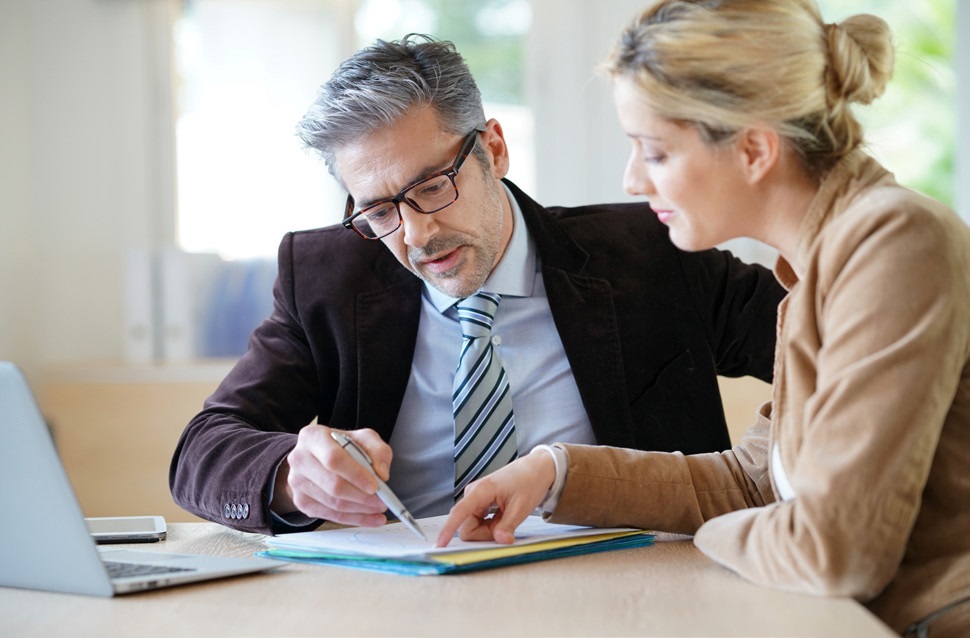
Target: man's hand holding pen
{"x":321,"y":480}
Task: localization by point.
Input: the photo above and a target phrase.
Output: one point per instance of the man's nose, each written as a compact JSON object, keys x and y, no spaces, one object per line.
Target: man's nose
{"x":418,"y":227}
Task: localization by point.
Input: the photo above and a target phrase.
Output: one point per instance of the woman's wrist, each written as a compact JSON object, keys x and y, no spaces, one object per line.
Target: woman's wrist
{"x":558,"y":455}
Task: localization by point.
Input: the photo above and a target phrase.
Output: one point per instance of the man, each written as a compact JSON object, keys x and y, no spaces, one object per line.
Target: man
{"x":603,"y":332}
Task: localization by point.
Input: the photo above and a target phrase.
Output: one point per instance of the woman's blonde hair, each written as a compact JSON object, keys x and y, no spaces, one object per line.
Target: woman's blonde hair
{"x":726,"y":65}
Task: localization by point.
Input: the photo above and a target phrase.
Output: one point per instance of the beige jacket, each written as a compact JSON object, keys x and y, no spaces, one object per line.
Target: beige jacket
{"x":870,"y":413}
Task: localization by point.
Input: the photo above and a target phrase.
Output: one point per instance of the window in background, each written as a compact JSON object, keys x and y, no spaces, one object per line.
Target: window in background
{"x":246,"y":72}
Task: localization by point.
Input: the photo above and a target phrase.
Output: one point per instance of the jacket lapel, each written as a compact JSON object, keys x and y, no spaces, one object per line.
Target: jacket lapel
{"x":387,"y":328}
{"x":582,"y":308}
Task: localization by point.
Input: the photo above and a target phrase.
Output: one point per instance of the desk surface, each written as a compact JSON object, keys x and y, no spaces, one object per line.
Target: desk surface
{"x":668,"y":589}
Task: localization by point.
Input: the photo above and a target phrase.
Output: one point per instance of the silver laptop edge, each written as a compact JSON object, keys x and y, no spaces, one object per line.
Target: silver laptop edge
{"x":44,"y":541}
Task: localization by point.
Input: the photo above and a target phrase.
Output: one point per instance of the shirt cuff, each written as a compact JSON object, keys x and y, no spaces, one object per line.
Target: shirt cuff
{"x":548,"y":504}
{"x":291,"y":522}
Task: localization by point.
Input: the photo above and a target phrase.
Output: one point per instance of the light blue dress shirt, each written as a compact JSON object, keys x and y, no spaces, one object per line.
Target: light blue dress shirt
{"x":545,"y":398}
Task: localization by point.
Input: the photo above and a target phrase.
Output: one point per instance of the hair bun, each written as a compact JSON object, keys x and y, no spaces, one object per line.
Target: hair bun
{"x":861,"y":58}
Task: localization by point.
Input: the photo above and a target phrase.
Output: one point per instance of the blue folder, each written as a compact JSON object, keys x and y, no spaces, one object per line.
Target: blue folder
{"x":453,"y":563}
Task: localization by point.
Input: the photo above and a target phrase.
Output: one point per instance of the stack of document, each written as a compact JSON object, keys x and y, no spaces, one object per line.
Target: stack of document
{"x":396,"y":549}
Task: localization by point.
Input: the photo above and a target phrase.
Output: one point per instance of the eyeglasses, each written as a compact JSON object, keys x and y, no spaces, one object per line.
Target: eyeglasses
{"x":426,"y":195}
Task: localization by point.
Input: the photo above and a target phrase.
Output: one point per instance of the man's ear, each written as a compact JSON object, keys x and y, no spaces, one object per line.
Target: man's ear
{"x":493,"y":141}
{"x":758,"y":152}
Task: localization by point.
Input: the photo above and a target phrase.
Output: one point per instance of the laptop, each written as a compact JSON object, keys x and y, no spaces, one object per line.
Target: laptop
{"x":45,"y":543}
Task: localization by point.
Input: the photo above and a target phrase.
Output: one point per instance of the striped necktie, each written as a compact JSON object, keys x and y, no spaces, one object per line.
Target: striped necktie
{"x":482,"y":403}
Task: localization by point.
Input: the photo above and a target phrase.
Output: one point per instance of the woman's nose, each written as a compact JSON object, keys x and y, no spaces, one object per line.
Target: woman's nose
{"x":636,"y":179}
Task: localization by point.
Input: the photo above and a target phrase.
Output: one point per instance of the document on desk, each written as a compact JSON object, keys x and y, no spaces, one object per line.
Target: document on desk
{"x":394,"y":548}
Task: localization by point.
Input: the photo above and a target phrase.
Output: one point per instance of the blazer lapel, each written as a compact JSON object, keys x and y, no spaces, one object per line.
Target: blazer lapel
{"x":387,"y":328}
{"x":582,"y":308}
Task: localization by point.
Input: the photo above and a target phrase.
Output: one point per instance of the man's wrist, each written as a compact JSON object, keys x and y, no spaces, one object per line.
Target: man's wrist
{"x":280,"y":500}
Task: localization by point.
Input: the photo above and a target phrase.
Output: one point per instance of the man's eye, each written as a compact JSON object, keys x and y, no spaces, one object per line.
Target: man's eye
{"x":431,"y":188}
{"x":380,"y":213}
{"x":434,"y":188}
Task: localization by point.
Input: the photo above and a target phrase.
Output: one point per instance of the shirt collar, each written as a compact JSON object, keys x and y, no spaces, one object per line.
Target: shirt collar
{"x":515,"y":273}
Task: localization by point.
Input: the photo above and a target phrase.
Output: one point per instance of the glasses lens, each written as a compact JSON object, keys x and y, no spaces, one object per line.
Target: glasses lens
{"x":432,"y":194}
{"x":427,"y":196}
{"x":378,"y":220}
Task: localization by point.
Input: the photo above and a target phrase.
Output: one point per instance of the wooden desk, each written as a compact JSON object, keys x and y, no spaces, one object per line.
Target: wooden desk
{"x":669,"y":589}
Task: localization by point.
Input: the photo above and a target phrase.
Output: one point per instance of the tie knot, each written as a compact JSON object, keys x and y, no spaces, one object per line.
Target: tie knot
{"x":476,"y":314}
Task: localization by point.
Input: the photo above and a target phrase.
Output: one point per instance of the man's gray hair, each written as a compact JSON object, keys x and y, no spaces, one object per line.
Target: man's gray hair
{"x":381,"y":83}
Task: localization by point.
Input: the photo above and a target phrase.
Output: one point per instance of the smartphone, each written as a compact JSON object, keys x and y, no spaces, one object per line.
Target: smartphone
{"x":127,"y":529}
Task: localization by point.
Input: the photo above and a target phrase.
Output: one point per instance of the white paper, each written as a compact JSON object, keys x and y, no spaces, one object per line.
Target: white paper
{"x":395,"y":540}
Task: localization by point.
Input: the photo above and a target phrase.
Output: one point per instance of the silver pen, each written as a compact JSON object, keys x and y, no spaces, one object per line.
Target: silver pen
{"x":383,"y":491}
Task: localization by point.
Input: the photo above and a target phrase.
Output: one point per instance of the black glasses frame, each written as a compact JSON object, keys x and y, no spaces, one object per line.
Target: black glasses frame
{"x":451,"y":173}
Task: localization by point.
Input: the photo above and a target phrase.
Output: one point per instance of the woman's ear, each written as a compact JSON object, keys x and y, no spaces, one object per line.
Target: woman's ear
{"x":493,"y":141}
{"x":758,"y":152}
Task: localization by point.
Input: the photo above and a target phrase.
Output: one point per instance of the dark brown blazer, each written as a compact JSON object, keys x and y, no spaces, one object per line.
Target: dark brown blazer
{"x":646,"y":328}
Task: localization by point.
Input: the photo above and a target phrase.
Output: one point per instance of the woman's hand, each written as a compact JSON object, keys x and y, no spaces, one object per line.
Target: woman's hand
{"x":512,"y":493}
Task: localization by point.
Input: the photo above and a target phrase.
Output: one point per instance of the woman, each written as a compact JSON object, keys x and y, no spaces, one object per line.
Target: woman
{"x":855,"y":479}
